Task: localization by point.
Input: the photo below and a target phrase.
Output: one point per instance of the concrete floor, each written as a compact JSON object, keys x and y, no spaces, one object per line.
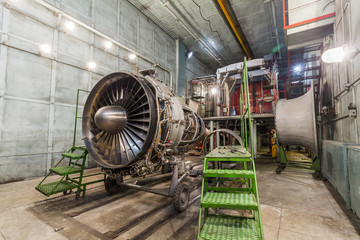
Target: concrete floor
{"x":294,"y":206}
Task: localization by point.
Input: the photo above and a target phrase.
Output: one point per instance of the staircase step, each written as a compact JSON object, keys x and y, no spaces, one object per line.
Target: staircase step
{"x":71,"y":155}
{"x":47,"y":188}
{"x":230,"y":173}
{"x":228,"y":227}
{"x":79,"y":147}
{"x":234,"y":153}
{"x":229,"y":189}
{"x":66,"y":170}
{"x":245,"y":201}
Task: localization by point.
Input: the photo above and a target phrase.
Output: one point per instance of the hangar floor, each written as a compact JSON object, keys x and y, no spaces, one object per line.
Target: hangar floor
{"x":294,"y":206}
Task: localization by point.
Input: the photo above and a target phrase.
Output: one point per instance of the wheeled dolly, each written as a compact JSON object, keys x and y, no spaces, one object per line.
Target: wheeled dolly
{"x":178,"y":191}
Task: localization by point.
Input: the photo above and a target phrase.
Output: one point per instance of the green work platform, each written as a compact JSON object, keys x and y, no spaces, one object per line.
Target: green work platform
{"x":217,"y":195}
{"x":74,"y":161}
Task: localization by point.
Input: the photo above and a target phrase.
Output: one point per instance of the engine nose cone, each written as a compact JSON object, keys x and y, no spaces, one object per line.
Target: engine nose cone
{"x":111,"y":118}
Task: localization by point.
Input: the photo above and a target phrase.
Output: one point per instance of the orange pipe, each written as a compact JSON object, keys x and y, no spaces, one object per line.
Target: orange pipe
{"x":310,"y":20}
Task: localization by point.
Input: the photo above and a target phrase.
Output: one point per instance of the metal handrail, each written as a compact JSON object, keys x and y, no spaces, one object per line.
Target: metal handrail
{"x":76,"y":112}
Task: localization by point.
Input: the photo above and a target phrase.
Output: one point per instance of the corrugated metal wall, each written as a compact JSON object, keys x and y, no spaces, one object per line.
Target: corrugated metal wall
{"x":333,"y":165}
{"x":341,"y":166}
{"x":340,"y":88}
{"x":38,"y":93}
{"x":194,"y":70}
{"x":337,"y":77}
{"x":354,"y":177}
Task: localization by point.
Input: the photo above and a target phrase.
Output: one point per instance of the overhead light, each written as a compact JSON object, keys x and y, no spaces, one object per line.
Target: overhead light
{"x":91,"y":65}
{"x":213,"y":90}
{"x":132,"y":56}
{"x":333,"y":55}
{"x":45,"y":48}
{"x":188,"y":54}
{"x":338,"y":54}
{"x":107,"y":44}
{"x":69,"y":25}
{"x":297,"y":69}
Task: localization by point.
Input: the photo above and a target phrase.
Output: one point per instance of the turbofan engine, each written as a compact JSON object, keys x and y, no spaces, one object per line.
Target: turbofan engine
{"x":133,"y":123}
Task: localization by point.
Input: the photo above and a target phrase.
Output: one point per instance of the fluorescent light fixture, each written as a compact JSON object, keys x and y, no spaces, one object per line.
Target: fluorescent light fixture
{"x":107,"y":44}
{"x":45,"y":48}
{"x":91,"y":65}
{"x":69,"y":25}
{"x":213,"y":90}
{"x":132,"y":56}
{"x":188,"y":54}
{"x":333,"y":55}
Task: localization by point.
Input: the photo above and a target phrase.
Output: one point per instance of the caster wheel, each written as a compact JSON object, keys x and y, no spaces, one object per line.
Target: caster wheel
{"x":166,"y":168}
{"x":181,"y":197}
{"x":317,"y":175}
{"x":111,"y":186}
{"x":67,"y":192}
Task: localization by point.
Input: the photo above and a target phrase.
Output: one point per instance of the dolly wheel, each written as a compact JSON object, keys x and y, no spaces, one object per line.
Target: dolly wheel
{"x":181,"y":197}
{"x":317,"y":175}
{"x":111,"y":186}
{"x":166,"y":168}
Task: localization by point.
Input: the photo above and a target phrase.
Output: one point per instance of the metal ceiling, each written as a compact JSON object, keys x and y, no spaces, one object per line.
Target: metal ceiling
{"x":208,"y":35}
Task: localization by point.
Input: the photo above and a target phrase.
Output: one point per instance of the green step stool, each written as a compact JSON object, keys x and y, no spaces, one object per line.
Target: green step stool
{"x":241,"y":198}
{"x":76,"y":159}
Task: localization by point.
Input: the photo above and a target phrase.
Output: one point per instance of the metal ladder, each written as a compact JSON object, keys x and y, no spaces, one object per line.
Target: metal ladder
{"x":76,"y":157}
{"x":221,"y":196}
{"x":232,"y":189}
{"x":76,"y":164}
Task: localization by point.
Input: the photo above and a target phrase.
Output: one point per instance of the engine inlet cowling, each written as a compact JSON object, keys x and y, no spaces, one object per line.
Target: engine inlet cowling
{"x":131,"y":122}
{"x":119,"y":120}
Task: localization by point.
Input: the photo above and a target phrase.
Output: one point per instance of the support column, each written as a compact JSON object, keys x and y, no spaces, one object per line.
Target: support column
{"x":52,"y":94}
{"x":217,"y":134}
{"x":3,"y":62}
{"x":180,"y":68}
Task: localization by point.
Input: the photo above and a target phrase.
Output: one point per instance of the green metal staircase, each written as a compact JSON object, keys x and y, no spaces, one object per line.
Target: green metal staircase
{"x":234,"y":189}
{"x":229,"y":194}
{"x":76,"y":159}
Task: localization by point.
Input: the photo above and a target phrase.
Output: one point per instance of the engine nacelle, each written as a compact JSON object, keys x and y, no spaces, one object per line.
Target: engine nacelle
{"x":132,"y":122}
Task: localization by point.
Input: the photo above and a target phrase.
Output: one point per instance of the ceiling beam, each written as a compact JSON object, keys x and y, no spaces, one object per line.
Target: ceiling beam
{"x":179,"y":17}
{"x":227,"y":12}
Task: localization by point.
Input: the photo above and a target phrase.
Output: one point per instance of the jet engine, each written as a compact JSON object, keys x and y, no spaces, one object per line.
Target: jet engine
{"x":133,"y":123}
